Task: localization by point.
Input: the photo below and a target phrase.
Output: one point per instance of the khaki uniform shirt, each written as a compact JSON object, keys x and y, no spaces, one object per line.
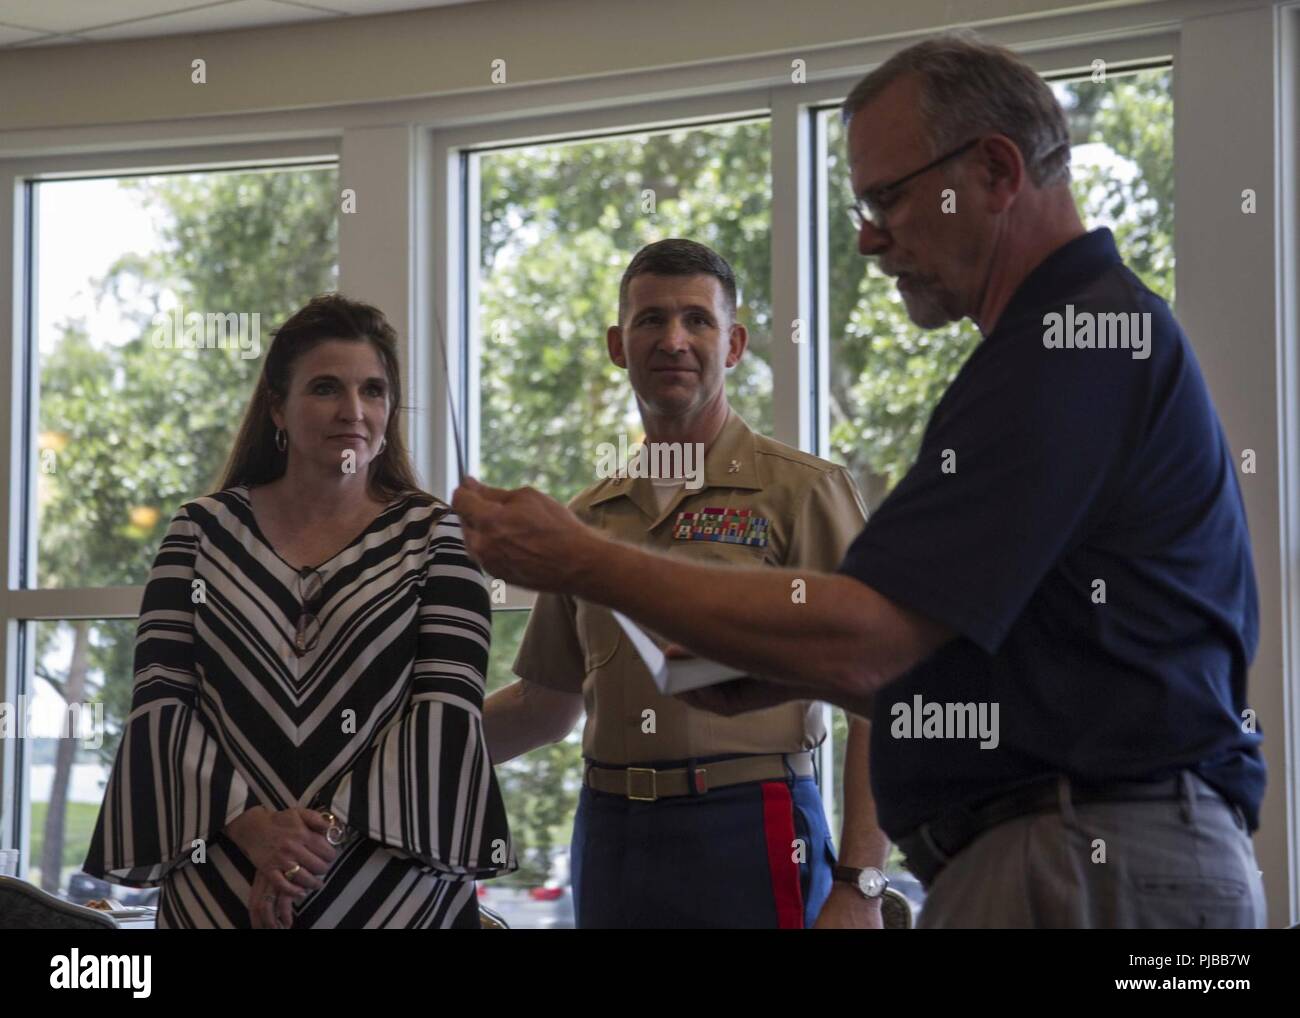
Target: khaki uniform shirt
{"x":803,"y":511}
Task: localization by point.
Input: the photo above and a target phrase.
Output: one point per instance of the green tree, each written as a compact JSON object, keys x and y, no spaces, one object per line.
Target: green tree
{"x":129,"y":431}
{"x":558,"y":225}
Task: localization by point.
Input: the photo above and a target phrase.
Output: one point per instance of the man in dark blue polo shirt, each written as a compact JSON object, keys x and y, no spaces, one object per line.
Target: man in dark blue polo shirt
{"x":1074,"y":516}
{"x":1050,"y":619}
{"x":1090,"y":547}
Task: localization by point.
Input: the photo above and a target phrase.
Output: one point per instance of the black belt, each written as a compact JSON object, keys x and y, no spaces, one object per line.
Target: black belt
{"x":930,"y":847}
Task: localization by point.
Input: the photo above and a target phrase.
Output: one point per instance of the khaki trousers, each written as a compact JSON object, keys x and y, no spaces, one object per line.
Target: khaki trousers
{"x":1136,"y":865}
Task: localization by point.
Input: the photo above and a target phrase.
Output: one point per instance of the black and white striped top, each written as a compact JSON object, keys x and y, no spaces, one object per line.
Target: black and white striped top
{"x":381,"y":720}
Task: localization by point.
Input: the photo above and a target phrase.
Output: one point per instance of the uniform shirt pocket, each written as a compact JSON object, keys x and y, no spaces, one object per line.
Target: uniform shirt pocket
{"x":599,"y":634}
{"x":722,"y":553}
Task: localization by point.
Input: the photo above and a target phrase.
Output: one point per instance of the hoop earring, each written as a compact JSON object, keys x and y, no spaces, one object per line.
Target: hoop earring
{"x":281,"y":439}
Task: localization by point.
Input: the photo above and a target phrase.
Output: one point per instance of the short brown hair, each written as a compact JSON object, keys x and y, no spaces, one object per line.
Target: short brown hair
{"x":678,"y":257}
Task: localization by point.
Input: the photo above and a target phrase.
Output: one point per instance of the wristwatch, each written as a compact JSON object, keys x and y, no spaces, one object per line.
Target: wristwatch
{"x":869,"y":881}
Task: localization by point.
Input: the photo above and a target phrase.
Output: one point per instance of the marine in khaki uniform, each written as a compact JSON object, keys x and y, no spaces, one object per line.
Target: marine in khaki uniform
{"x":688,"y":818}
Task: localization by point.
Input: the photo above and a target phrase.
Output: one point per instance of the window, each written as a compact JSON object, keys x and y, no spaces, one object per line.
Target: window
{"x":133,"y":274}
{"x":557,"y":226}
{"x":80,"y":691}
{"x":541,"y":795}
{"x":154,"y":301}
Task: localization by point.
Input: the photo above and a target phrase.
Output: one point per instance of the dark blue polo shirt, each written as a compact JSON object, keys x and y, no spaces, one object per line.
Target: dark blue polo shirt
{"x":1044,"y":470}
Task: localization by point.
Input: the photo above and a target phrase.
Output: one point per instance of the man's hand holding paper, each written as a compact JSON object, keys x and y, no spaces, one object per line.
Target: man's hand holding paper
{"x":523,"y":536}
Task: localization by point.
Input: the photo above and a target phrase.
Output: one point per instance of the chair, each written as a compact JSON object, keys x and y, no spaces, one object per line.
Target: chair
{"x":26,"y":907}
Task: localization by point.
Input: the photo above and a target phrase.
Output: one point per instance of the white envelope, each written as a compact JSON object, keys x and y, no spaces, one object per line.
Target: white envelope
{"x":675,"y":675}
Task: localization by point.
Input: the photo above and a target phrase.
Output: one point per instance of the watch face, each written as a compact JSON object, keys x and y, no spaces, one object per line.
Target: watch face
{"x":871,"y":882}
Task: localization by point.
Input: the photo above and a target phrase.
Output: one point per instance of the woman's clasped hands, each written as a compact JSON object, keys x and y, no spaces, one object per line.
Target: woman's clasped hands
{"x":292,"y":854}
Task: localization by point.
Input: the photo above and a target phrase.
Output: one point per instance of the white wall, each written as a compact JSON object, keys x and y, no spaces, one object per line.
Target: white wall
{"x":442,"y":51}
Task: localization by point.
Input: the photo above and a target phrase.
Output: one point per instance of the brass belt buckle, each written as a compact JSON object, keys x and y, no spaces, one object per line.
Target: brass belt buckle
{"x":649,"y":775}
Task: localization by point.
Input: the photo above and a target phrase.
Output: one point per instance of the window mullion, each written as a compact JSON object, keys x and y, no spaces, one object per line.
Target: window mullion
{"x":792,"y":305}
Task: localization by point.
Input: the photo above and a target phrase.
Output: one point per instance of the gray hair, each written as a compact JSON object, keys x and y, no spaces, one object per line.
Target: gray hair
{"x":970,"y":87}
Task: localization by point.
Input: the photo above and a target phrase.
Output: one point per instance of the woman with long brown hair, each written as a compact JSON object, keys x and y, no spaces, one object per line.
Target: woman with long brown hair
{"x":305,"y":745}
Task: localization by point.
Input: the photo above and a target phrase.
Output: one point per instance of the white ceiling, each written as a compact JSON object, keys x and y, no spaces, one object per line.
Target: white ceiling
{"x":46,"y":22}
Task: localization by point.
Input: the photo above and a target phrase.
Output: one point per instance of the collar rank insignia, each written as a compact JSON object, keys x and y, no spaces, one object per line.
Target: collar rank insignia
{"x":729,"y":526}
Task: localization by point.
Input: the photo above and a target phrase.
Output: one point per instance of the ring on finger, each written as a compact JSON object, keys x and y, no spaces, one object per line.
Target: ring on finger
{"x":288,"y":874}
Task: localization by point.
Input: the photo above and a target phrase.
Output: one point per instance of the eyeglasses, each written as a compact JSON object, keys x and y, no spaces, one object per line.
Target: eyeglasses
{"x":873,"y":205}
{"x":307,"y":633}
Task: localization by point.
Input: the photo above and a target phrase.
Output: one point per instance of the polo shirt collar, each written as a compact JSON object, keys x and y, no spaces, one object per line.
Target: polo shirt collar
{"x":1061,"y":275}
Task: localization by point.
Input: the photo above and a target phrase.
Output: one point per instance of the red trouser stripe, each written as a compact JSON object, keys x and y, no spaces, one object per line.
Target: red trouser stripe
{"x":778,"y":828}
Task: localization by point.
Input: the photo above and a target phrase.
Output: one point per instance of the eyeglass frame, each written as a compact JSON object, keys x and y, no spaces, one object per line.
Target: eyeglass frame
{"x":860,"y":209}
{"x":308,"y":611}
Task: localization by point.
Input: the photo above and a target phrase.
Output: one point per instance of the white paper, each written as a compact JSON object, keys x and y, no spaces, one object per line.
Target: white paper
{"x":674,"y":675}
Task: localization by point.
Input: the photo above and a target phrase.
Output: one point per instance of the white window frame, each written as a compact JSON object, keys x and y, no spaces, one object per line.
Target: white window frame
{"x":24,"y":604}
